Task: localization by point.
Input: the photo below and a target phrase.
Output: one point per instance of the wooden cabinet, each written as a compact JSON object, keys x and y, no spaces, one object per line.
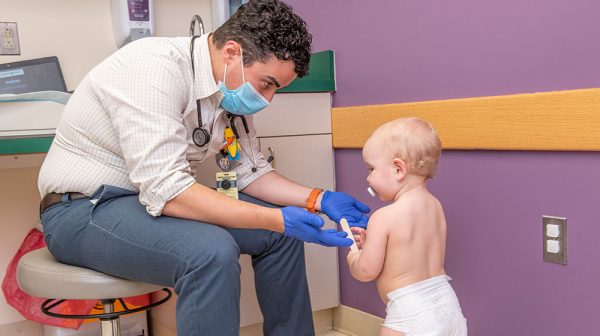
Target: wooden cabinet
{"x":297,"y":129}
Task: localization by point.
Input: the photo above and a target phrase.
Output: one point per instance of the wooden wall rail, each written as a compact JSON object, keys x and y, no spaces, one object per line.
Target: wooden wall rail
{"x":548,"y":121}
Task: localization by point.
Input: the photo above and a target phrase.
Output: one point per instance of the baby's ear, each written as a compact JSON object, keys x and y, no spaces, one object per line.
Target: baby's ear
{"x":401,"y":169}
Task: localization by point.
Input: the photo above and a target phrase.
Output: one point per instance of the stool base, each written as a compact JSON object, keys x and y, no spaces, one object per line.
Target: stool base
{"x":109,"y":319}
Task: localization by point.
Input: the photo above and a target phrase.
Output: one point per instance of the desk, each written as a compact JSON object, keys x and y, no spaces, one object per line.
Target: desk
{"x":27,"y":126}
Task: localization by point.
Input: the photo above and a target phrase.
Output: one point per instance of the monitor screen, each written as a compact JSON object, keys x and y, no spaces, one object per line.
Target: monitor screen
{"x":42,"y":74}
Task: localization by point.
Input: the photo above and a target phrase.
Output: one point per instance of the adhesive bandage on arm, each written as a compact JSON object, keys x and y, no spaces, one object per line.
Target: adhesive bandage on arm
{"x":346,"y":228}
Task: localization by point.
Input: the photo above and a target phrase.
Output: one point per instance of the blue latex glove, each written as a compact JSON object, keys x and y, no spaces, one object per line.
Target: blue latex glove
{"x":339,"y":204}
{"x":306,"y":226}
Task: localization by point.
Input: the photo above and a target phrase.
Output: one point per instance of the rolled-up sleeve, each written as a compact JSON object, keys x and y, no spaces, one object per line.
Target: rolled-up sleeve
{"x":145,"y":98}
{"x":251,"y":156}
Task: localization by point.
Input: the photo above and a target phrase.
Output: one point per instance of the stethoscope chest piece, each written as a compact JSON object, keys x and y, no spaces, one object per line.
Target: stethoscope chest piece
{"x":201,"y":137}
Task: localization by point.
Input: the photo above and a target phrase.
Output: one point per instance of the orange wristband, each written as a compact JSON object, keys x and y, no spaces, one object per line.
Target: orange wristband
{"x":311,"y":201}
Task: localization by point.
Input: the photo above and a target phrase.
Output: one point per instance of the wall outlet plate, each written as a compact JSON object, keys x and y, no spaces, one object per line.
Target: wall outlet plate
{"x":9,"y":39}
{"x":561,"y":256}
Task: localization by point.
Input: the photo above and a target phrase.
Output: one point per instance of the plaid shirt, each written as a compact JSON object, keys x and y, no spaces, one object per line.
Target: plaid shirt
{"x":130,"y":122}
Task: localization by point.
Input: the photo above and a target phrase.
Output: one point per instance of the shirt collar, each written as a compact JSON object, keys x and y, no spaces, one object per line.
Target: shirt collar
{"x":204,"y":81}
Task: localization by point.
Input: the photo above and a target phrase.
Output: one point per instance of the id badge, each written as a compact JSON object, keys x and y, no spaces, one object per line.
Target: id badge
{"x":227,"y":184}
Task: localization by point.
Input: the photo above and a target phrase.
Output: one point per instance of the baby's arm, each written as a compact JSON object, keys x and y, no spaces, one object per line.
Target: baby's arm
{"x":366,"y":264}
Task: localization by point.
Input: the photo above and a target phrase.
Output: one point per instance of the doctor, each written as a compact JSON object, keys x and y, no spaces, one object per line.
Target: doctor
{"x":118,"y":190}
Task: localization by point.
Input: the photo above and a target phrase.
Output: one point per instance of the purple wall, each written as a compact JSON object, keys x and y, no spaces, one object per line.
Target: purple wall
{"x":391,"y":51}
{"x":493,"y":203}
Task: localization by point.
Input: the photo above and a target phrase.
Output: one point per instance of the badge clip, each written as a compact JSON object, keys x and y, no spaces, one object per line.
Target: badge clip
{"x":227,"y":184}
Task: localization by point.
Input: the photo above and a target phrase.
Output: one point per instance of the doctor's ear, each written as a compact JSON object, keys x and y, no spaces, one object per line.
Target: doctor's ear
{"x":230,"y":50}
{"x":401,"y":169}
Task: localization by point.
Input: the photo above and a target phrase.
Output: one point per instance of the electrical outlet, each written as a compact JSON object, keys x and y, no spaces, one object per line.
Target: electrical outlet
{"x":554,"y":239}
{"x":9,"y":39}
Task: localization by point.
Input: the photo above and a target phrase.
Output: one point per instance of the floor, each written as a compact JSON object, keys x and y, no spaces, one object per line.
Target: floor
{"x":331,"y":333}
{"x":256,"y":331}
{"x":28,"y":328}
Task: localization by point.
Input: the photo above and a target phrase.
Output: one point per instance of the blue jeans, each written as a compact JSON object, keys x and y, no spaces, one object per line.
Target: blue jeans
{"x":199,"y":260}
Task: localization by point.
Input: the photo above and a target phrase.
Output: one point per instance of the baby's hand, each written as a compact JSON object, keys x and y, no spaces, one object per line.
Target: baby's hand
{"x":360,"y":236}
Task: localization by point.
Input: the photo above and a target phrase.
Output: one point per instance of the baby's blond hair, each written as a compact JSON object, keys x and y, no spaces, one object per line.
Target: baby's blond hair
{"x":414,"y":141}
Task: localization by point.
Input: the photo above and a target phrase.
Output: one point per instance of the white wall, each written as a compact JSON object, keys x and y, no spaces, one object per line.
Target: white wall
{"x":80,"y":34}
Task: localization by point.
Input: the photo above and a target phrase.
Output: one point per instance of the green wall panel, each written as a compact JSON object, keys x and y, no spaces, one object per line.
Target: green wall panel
{"x":320,"y":76}
{"x":25,"y":145}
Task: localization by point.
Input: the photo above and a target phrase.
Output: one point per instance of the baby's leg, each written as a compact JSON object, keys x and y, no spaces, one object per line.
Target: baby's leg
{"x":389,"y":332}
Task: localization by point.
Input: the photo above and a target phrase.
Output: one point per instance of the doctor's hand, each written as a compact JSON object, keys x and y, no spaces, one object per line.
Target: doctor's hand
{"x":306,"y":226}
{"x":339,"y":204}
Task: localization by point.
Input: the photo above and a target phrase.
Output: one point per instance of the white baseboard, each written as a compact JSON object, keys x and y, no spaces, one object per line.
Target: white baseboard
{"x":354,"y":322}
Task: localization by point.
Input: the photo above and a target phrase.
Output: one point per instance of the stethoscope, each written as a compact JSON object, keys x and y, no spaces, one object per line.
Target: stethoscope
{"x":200,"y":135}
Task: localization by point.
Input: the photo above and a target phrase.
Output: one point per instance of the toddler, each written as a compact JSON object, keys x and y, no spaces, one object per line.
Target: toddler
{"x":404,"y":244}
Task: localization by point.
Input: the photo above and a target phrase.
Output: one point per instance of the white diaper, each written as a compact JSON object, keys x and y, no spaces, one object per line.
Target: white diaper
{"x":426,"y":308}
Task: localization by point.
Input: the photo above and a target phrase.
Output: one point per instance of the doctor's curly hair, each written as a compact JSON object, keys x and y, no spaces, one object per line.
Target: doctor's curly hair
{"x":265,"y":28}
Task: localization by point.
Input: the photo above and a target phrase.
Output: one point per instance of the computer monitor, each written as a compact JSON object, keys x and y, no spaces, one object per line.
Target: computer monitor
{"x":41,"y":74}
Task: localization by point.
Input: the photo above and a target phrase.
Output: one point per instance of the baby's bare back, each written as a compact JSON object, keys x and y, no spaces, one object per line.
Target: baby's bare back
{"x":416,"y":241}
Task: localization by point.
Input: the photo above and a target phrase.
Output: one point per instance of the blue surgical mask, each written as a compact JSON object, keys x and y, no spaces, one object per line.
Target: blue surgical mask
{"x":244,"y":100}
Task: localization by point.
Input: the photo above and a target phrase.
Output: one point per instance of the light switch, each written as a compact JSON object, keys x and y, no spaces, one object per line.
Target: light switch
{"x":552,"y":246}
{"x":552,"y":230}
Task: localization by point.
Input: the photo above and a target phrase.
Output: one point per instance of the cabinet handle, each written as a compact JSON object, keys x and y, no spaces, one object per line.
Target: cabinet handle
{"x":271,"y":158}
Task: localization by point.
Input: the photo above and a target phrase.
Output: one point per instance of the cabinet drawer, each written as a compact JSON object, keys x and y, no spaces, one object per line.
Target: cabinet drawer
{"x":295,"y":114}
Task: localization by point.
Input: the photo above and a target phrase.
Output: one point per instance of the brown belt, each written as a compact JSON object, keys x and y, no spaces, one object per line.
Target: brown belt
{"x":55,"y":198}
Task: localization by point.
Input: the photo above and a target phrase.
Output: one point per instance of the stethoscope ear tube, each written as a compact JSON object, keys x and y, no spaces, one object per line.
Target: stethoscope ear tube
{"x":196,"y":19}
{"x":232,"y":117}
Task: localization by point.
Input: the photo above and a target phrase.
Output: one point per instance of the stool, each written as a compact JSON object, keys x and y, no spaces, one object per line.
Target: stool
{"x":40,"y":274}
